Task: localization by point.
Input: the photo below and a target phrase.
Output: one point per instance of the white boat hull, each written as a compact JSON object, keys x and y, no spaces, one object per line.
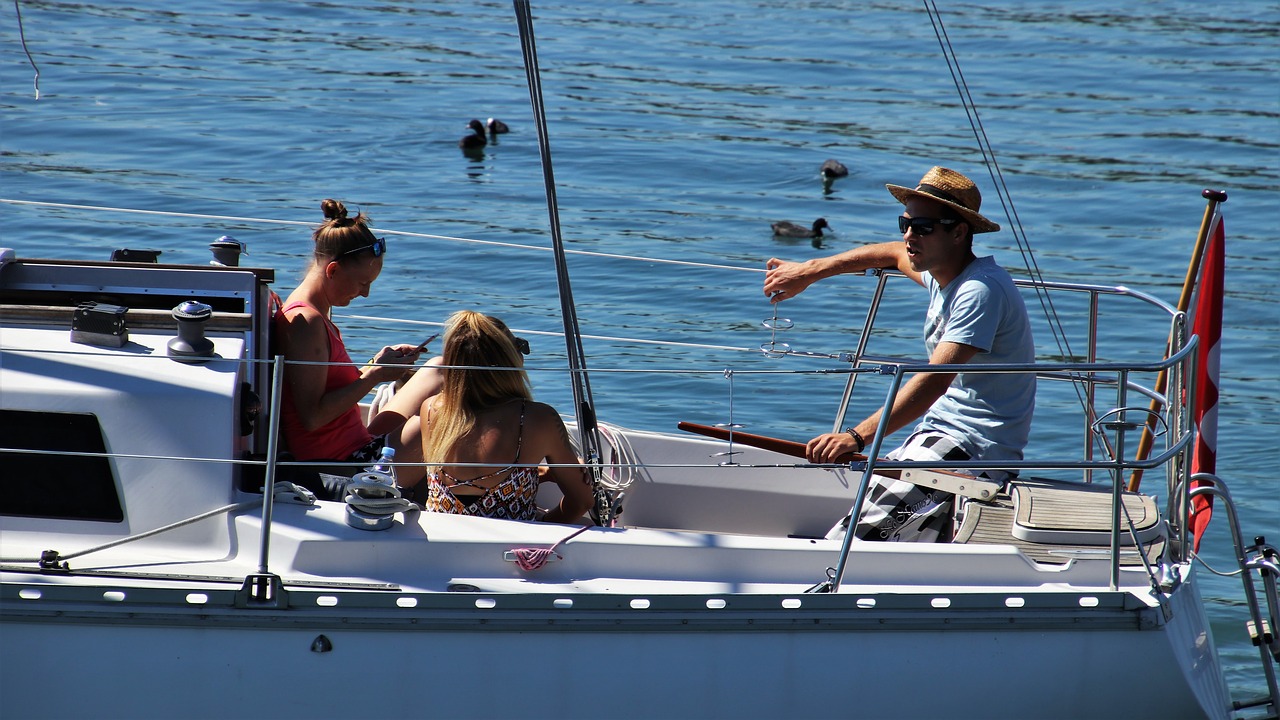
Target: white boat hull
{"x":527,"y":657}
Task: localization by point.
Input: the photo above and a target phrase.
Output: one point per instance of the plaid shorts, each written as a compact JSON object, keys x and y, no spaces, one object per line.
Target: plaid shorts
{"x":899,"y":511}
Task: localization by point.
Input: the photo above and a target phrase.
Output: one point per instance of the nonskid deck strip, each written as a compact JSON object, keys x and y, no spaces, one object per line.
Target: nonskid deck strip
{"x":992,"y":524}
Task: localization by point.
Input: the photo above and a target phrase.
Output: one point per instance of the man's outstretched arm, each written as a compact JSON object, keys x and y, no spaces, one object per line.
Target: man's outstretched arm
{"x":784,"y":279}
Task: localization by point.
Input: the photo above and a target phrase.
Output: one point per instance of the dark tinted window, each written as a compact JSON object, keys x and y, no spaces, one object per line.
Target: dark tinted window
{"x":53,"y":485}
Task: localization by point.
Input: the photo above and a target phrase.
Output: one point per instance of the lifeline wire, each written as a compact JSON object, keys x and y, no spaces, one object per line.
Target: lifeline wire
{"x":783,"y":348}
{"x":404,"y":233}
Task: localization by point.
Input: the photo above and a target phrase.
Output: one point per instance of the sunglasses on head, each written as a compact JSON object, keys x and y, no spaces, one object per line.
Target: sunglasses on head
{"x":522,"y":345}
{"x":922,"y":226}
{"x":378,"y":246}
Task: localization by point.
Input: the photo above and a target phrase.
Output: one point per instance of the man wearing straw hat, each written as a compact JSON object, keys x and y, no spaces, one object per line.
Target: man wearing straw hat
{"x":975,"y":315}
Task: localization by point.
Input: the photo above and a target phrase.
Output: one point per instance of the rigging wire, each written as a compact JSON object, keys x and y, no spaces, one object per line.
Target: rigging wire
{"x":1006,"y":202}
{"x":997,"y":176}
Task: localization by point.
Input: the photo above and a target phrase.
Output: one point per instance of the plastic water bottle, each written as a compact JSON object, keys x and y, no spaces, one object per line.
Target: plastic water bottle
{"x":383,"y":469}
{"x":368,"y":489}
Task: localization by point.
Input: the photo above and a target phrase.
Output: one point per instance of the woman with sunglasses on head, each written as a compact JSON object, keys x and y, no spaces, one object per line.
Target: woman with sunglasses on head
{"x":320,"y":413}
{"x":975,"y":315}
{"x":483,"y":436}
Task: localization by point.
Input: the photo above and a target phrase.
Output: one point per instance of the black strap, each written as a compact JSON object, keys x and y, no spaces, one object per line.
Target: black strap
{"x":942,"y":195}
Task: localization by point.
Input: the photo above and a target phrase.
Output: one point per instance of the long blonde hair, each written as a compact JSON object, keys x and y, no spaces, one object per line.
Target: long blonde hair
{"x":473,"y":343}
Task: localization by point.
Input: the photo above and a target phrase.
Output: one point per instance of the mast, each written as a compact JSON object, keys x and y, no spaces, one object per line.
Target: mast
{"x":584,"y":407}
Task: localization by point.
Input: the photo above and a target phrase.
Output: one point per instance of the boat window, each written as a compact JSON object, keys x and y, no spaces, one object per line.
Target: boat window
{"x":51,"y":484}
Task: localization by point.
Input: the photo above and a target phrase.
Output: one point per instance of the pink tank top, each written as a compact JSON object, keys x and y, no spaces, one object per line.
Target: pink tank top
{"x":343,"y":435}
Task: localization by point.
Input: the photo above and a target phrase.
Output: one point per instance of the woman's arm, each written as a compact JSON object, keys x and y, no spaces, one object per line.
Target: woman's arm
{"x":565,"y":470}
{"x":426,"y":412}
{"x":425,"y":382}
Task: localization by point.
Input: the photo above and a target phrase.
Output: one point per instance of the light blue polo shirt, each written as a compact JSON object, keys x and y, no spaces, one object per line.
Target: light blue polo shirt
{"x":989,"y":414}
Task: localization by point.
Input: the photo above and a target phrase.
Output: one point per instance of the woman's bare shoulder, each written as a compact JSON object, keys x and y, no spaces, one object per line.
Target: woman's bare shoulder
{"x":303,"y":332}
{"x":301,"y":314}
{"x":542,"y":412}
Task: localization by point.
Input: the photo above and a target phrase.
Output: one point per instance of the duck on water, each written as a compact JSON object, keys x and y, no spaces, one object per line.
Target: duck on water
{"x":832,"y":169}
{"x":786,"y":228}
{"x":476,"y":139}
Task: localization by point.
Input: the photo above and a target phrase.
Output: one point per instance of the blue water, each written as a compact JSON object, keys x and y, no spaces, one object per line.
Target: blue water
{"x":678,"y":131}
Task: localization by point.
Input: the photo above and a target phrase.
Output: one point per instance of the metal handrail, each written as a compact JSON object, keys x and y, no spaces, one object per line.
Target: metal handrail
{"x":1181,"y":434}
{"x":1094,"y":291}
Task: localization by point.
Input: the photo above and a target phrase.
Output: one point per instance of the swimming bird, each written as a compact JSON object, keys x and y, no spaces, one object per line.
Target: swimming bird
{"x":496,"y":127}
{"x":790,"y":229}
{"x":832,"y":169}
{"x":475,"y":139}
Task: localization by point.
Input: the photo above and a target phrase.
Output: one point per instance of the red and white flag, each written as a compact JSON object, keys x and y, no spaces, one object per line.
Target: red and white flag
{"x":1207,"y":324}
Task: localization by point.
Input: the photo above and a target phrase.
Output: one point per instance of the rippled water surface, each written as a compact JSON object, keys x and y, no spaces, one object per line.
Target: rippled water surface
{"x":679,"y":131}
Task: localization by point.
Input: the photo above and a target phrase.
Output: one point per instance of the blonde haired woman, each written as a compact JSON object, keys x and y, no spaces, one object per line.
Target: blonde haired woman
{"x":483,"y":435}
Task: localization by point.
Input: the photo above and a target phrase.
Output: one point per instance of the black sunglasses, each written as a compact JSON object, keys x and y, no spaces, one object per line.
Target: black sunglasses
{"x":922,"y":226}
{"x":378,"y":246}
{"x":522,"y":345}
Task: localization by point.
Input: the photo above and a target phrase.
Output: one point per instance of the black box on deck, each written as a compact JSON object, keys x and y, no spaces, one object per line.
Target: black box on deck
{"x":95,"y":323}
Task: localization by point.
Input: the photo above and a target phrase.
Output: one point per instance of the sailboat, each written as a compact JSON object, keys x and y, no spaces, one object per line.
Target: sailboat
{"x":145,"y":572}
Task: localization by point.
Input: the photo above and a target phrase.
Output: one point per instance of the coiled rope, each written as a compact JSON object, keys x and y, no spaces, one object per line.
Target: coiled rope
{"x":372,"y":496}
{"x":529,"y":559}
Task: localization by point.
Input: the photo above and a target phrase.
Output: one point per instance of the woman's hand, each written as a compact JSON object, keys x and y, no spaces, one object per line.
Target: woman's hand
{"x":392,"y":360}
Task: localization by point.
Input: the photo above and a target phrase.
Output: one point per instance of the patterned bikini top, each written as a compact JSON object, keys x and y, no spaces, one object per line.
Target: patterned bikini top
{"x":511,"y":499}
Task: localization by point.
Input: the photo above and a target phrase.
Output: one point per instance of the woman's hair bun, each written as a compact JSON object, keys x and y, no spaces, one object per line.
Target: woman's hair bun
{"x":333,"y":209}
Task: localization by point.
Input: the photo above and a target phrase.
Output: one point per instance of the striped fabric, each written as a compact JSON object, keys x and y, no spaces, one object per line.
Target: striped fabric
{"x":899,"y":511}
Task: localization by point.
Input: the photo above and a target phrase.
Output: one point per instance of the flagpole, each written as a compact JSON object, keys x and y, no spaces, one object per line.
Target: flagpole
{"x":1214,"y":197}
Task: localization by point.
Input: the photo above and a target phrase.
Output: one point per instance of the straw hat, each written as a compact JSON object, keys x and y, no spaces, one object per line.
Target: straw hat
{"x":951,"y":189}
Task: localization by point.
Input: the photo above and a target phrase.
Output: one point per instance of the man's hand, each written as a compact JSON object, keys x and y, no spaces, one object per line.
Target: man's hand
{"x":783,"y":279}
{"x":828,"y":448}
